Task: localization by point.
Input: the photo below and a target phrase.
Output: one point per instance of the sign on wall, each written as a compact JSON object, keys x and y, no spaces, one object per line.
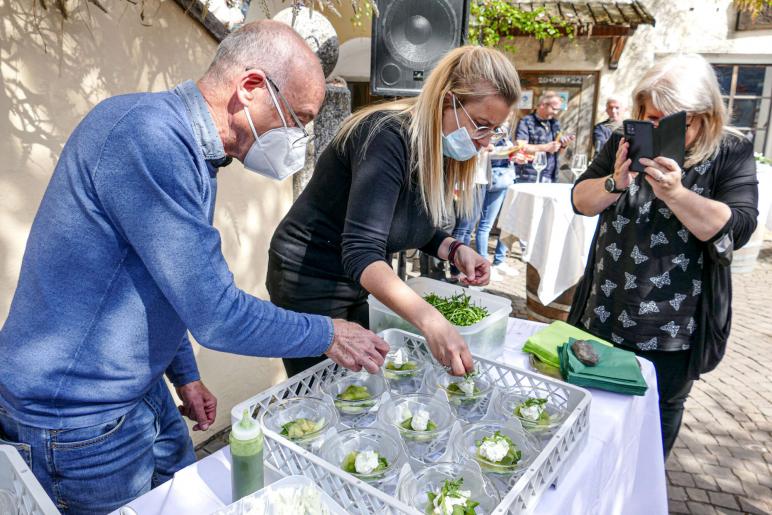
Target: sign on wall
{"x":526,"y":101}
{"x":564,"y":96}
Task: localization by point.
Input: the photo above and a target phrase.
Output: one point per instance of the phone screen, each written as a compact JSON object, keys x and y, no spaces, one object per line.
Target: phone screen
{"x":640,"y":135}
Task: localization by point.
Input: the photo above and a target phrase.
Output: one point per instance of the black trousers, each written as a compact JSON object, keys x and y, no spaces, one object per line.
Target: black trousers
{"x":673,"y":388}
{"x":317,"y":296}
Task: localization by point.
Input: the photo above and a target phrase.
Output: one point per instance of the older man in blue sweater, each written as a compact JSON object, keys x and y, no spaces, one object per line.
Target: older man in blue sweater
{"x":122,"y":260}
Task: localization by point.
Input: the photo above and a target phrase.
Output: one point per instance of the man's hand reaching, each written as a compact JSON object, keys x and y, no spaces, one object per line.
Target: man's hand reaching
{"x":354,"y":347}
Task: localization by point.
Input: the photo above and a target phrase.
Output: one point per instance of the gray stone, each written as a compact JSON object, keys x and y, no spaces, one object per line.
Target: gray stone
{"x":585,"y":353}
{"x":318,"y":33}
{"x":335,"y":109}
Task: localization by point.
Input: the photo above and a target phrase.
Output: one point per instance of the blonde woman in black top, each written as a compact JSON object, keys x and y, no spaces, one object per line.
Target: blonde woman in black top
{"x":660,"y":231}
{"x":386,"y":184}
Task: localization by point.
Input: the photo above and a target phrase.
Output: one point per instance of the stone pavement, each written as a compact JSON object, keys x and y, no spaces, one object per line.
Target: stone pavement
{"x":722,"y":460}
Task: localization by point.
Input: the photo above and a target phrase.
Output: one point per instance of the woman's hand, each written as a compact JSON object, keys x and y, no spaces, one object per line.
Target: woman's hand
{"x":476,"y":269}
{"x":448,"y":347}
{"x":623,"y":177}
{"x":664,"y":176}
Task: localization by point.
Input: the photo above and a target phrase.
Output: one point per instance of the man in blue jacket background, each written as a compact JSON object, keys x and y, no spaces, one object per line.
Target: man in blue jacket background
{"x":122,"y":260}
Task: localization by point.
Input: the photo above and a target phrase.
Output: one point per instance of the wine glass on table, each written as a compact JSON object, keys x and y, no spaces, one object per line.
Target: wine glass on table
{"x":539,"y":164}
{"x":578,"y":165}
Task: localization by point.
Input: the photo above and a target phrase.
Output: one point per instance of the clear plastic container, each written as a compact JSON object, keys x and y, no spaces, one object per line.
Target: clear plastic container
{"x":466,"y":445}
{"x":469,"y":406}
{"x":556,"y":407}
{"x":404,"y":365}
{"x":426,"y":446}
{"x":482,"y":337}
{"x":376,"y":387}
{"x":312,"y":409}
{"x":339,"y":447}
{"x":414,"y":491}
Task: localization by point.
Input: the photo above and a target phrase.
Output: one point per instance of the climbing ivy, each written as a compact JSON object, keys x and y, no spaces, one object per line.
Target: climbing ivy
{"x":494,"y":22}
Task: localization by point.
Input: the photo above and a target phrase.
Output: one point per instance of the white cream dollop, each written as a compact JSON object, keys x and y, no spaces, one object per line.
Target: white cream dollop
{"x":531,"y":412}
{"x":399,"y":357}
{"x":366,"y":462}
{"x":467,"y":386}
{"x":448,"y":502}
{"x":420,"y":420}
{"x":494,"y":450}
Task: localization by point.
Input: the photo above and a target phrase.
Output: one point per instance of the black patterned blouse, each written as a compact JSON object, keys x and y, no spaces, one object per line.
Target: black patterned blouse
{"x":646,"y":277}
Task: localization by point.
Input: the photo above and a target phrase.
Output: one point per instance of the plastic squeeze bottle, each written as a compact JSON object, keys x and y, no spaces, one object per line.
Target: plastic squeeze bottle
{"x":246,"y":441}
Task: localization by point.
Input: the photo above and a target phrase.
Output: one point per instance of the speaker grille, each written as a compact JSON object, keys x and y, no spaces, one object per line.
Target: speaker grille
{"x":409,"y":39}
{"x":418,"y":34}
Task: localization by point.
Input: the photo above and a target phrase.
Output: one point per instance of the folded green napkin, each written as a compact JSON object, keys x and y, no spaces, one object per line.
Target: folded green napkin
{"x":617,"y":369}
{"x":544,"y":344}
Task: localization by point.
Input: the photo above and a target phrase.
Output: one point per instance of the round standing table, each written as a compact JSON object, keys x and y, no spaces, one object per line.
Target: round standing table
{"x":558,"y":243}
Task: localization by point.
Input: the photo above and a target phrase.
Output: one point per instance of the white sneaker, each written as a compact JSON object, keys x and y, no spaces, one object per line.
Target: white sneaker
{"x":506,"y":269}
{"x":496,"y":276}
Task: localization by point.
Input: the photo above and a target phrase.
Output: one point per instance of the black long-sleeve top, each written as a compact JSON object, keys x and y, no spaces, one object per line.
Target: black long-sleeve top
{"x":361,"y":204}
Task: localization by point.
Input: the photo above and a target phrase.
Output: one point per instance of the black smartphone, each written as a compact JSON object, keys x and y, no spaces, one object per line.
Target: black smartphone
{"x":640,"y":135}
{"x":668,"y":139}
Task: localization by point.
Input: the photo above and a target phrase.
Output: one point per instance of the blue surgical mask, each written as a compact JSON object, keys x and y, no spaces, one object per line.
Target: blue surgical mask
{"x":458,"y":144}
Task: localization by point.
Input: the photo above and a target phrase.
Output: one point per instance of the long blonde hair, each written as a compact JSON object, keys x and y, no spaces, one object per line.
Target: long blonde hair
{"x":688,"y":83}
{"x":469,"y":72}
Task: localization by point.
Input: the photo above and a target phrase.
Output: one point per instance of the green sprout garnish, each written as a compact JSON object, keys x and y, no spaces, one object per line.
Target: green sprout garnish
{"x":457,"y":309}
{"x":450,"y":490}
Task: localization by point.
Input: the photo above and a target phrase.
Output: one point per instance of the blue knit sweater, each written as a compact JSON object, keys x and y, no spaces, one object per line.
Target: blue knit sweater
{"x":121,"y":260}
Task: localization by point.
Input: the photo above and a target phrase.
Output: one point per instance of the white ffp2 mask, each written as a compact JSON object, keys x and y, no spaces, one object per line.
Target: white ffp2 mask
{"x":278,"y":153}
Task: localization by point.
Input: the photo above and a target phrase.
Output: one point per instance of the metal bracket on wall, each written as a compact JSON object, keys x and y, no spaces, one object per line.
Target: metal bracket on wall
{"x":615,"y":51}
{"x":545,"y":47}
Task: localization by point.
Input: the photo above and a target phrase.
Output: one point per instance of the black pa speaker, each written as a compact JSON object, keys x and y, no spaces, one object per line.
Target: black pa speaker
{"x":409,"y":38}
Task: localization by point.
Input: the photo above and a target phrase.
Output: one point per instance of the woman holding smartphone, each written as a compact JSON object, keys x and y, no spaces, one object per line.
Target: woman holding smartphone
{"x":385,"y":184}
{"x":661,"y":230}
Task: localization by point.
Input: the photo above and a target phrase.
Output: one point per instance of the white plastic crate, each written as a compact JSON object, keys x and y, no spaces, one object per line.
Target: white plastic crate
{"x":482,"y":337}
{"x":356,"y":496}
{"x":17,"y":478}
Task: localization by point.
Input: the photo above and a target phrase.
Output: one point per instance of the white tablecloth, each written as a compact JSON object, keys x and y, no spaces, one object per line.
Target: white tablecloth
{"x":620,"y":470}
{"x":558,"y":239}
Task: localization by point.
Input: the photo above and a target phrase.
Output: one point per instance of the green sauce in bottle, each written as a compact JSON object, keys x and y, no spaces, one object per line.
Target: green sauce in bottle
{"x":246,"y":441}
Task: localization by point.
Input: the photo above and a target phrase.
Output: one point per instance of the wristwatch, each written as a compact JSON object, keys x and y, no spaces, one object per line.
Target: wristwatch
{"x":611,"y":186}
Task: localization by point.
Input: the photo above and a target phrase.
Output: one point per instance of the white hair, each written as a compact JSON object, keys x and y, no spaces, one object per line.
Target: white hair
{"x":688,"y":83}
{"x":269,"y":45}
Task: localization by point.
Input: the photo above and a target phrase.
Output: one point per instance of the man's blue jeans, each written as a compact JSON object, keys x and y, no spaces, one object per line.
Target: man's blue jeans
{"x":98,"y":469}
{"x":491,"y":206}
